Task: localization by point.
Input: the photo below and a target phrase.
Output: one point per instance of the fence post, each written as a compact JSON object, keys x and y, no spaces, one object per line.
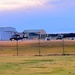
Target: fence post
{"x":39,"y":44}
{"x":17,"y":46}
{"x":63,"y":47}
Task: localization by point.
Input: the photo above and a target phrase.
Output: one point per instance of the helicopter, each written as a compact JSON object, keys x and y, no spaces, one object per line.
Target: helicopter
{"x":18,"y":37}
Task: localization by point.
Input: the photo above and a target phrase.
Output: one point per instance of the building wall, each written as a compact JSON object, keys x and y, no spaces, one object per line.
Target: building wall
{"x":6,"y":32}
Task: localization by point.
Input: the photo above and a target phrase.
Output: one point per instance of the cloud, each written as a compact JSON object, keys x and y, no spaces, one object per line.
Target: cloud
{"x":13,"y":4}
{"x":39,"y":4}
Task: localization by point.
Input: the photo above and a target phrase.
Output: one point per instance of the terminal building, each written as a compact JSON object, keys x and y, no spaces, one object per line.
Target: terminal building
{"x":6,"y":33}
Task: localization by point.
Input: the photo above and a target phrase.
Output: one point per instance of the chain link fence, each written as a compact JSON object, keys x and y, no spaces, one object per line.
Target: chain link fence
{"x":37,"y":47}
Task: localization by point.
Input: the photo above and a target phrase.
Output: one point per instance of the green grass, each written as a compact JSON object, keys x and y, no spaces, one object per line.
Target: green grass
{"x":37,"y":65}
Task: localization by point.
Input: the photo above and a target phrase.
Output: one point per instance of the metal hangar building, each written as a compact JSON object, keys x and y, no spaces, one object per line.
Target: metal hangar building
{"x":35,"y":34}
{"x":6,"y":33}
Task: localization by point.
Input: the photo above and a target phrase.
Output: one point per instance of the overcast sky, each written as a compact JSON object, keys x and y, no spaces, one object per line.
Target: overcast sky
{"x":54,"y":16}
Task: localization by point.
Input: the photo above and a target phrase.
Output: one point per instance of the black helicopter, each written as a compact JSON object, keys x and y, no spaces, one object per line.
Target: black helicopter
{"x":18,"y":37}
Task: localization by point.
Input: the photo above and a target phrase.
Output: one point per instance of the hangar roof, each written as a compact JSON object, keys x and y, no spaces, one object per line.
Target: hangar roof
{"x":41,"y":31}
{"x":7,"y":29}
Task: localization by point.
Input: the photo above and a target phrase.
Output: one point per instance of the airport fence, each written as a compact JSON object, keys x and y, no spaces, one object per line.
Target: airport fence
{"x":37,"y":47}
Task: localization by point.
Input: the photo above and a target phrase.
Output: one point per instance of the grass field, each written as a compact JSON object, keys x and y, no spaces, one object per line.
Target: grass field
{"x":26,"y":63}
{"x":37,"y":65}
{"x":33,"y":47}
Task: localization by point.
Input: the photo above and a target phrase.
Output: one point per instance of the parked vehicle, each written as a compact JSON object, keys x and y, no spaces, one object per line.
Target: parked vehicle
{"x":48,"y":38}
{"x":59,"y":37}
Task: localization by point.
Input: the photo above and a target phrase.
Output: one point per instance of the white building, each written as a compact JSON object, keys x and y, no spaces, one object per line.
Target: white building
{"x":6,"y":32}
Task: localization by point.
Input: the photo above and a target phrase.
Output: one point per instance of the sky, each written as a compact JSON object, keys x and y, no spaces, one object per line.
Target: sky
{"x":54,"y":16}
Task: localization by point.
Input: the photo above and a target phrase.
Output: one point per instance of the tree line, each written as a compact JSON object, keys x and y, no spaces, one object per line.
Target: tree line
{"x":64,"y":35}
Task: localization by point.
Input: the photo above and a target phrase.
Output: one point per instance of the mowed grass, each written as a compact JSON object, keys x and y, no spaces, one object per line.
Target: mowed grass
{"x":33,"y":47}
{"x":37,"y":65}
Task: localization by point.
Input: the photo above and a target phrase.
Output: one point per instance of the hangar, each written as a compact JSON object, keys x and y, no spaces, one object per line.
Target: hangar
{"x":6,"y":33}
{"x":35,"y":34}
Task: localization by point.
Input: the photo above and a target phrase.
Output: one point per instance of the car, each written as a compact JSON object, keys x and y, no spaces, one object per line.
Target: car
{"x":72,"y":38}
{"x":48,"y":38}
